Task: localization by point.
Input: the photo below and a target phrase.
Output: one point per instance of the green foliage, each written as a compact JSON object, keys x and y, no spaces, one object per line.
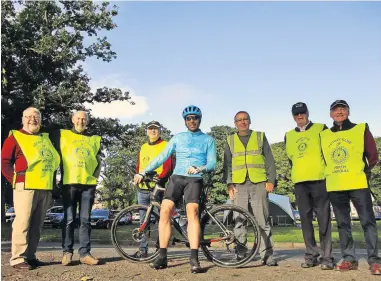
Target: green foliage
{"x":375,"y":182}
{"x":219,"y":193}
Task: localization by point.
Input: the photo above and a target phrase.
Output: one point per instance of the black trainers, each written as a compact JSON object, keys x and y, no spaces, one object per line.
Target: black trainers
{"x":269,"y":262}
{"x":309,"y":263}
{"x":159,"y":263}
{"x":195,"y":266}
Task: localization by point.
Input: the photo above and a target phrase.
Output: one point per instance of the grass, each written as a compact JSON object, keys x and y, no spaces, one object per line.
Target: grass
{"x":285,"y":234}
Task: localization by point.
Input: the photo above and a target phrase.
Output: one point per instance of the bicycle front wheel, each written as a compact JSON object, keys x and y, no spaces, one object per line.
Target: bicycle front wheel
{"x":134,"y":239}
{"x":230,"y":236}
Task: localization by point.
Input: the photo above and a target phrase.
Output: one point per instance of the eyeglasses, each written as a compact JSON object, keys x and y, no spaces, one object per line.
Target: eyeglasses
{"x":153,"y":128}
{"x":189,"y":118}
{"x":296,"y":114}
{"x":30,"y":117}
{"x":242,"y":120}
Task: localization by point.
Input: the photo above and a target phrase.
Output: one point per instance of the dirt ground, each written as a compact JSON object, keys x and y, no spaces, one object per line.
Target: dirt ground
{"x":115,"y":268}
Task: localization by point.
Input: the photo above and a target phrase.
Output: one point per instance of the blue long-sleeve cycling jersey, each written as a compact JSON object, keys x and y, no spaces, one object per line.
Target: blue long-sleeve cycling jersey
{"x":192,"y":149}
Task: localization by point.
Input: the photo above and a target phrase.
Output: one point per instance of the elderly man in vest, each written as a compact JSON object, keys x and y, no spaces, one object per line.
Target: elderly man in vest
{"x":147,"y":153}
{"x":80,"y":169}
{"x":304,"y":152}
{"x":250,"y":174}
{"x":350,"y":153}
{"x":29,"y":162}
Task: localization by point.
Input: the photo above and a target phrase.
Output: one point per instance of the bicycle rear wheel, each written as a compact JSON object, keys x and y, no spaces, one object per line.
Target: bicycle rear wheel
{"x":230,"y":236}
{"x":132,"y":240}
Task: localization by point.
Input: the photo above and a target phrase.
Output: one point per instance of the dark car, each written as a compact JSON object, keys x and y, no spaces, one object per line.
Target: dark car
{"x":101,"y":218}
{"x":54,"y":216}
{"x":10,"y":215}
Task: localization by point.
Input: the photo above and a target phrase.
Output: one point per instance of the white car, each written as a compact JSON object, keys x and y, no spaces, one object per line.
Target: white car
{"x":10,"y":215}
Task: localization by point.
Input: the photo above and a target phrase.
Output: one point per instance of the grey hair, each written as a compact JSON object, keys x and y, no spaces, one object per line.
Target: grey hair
{"x":245,"y":112}
{"x":86,"y":114}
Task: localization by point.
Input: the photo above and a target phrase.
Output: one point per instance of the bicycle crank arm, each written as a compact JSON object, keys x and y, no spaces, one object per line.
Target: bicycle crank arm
{"x":176,"y":240}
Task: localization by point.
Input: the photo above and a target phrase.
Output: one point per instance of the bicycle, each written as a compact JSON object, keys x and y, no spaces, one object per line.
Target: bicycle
{"x":224,"y":247}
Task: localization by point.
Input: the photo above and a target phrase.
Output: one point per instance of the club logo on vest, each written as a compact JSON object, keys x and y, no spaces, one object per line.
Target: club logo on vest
{"x":302,"y":147}
{"x":46,"y":154}
{"x":82,"y":152}
{"x":339,"y":155}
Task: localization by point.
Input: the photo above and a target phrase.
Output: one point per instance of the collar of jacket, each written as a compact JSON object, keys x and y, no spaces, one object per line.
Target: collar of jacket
{"x":346,"y":125}
{"x":307,"y":126}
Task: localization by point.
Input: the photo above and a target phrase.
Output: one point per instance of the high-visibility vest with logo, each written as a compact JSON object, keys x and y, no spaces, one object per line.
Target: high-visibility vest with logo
{"x":304,"y":151}
{"x":79,"y":157}
{"x":247,"y":160}
{"x":41,"y":157}
{"x":343,"y":153}
{"x":147,"y":154}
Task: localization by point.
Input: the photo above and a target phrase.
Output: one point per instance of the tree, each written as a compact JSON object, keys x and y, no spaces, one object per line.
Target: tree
{"x":43,"y":45}
{"x":219,"y":194}
{"x":375,"y":182}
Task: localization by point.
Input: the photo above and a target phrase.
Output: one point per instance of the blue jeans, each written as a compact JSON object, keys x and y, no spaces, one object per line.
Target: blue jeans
{"x":143,"y":199}
{"x":73,"y":195}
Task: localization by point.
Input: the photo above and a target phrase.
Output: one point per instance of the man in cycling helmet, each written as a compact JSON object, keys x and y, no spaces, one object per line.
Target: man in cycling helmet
{"x":148,"y":152}
{"x":195,"y":155}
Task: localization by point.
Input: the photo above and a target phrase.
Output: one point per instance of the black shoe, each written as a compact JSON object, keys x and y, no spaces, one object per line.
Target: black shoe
{"x":309,"y":264}
{"x":159,"y":263}
{"x":270,"y":262}
{"x":35,"y":263}
{"x":195,"y":266}
{"x":22,"y":266}
{"x":327,"y":266}
{"x":140,"y":255}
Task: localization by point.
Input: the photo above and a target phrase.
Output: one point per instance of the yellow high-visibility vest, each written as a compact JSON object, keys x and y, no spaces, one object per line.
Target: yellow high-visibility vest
{"x":343,"y":153}
{"x":147,"y":154}
{"x":79,"y":157}
{"x":304,"y":151}
{"x":42,"y":159}
{"x":247,"y":160}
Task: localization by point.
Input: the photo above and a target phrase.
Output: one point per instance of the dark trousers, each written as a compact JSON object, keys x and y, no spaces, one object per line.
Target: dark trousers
{"x":362,"y":201}
{"x":310,"y":196}
{"x":83,"y":196}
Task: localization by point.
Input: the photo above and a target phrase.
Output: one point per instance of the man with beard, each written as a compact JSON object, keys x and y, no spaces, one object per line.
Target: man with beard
{"x":29,"y":162}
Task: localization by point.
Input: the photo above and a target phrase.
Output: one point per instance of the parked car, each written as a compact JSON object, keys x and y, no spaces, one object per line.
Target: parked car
{"x":54,"y":216}
{"x":136,"y":217}
{"x":102,"y":218}
{"x":125,"y":220}
{"x":10,"y":215}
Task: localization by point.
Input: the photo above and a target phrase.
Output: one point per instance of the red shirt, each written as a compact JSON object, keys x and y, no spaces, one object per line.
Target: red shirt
{"x":13,"y":159}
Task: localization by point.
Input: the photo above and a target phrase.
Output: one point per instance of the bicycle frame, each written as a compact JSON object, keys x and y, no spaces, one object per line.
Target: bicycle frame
{"x":202,"y":209}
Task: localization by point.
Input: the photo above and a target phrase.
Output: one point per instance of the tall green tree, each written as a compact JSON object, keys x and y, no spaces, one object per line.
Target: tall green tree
{"x":43,"y":46}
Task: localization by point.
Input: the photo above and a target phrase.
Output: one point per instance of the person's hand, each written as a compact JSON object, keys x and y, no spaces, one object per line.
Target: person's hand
{"x":269,"y":187}
{"x":138,"y":179}
{"x":192,"y":170}
{"x":232,"y":190}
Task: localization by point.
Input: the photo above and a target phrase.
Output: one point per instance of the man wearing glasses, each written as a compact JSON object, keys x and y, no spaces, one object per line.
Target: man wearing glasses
{"x":29,"y":161}
{"x":195,"y":155}
{"x":250,"y":174}
{"x":148,"y":152}
{"x":304,"y":152}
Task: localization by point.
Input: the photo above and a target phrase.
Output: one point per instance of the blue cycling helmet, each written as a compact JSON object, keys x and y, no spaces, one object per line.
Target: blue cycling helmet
{"x":192,"y":110}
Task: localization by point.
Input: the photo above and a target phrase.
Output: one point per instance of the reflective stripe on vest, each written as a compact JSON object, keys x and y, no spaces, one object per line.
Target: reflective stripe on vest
{"x":42,"y":159}
{"x":247,"y":160}
{"x":304,"y":151}
{"x":79,"y":157}
{"x":343,"y":153}
{"x":147,"y":154}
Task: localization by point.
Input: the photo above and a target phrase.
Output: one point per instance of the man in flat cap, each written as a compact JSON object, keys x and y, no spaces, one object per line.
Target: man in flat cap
{"x":350,"y":153}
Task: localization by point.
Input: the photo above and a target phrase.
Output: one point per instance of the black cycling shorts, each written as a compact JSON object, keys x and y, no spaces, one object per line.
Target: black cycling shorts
{"x":178,"y":186}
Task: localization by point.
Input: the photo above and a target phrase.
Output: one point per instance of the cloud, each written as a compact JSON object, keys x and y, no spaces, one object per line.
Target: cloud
{"x":118,"y":109}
